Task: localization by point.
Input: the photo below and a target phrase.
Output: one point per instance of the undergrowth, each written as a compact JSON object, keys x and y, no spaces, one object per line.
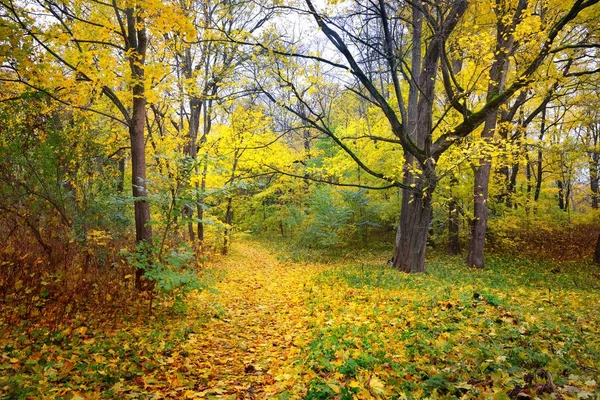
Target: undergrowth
{"x":319,"y":326}
{"x":456,"y":331}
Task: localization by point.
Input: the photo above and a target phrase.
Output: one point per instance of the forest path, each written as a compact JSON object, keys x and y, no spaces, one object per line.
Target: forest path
{"x":258,"y":328}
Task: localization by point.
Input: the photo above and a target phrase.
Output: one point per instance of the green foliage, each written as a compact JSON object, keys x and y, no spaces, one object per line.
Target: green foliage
{"x":172,"y":273}
{"x":327,"y":219}
{"x":319,"y":390}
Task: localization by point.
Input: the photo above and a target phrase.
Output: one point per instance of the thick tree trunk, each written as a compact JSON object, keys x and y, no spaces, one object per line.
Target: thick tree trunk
{"x":415,"y":215}
{"x":415,"y":219}
{"x":411,"y":238}
{"x":480,"y":212}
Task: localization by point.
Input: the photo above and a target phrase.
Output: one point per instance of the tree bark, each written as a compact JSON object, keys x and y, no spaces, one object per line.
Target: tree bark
{"x":228,"y":222}
{"x":453,"y":226}
{"x":137,"y":44}
{"x":539,"y":163}
{"x":415,"y":218}
{"x":480,"y":212}
{"x":192,"y":146}
{"x":561,"y":195}
{"x":594,"y":178}
{"x":201,"y":189}
{"x":498,"y":71}
{"x":415,"y":214}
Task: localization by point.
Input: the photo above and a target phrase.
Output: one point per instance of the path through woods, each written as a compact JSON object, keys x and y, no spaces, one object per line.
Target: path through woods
{"x":260,"y":325}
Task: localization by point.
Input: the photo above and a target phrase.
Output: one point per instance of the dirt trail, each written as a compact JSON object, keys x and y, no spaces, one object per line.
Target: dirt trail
{"x":248,"y":351}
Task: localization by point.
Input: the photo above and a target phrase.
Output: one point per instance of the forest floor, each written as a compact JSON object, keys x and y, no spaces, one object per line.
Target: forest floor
{"x":275,"y":325}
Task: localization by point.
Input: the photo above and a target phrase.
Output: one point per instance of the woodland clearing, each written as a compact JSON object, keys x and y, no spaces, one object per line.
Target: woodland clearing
{"x":272,"y":327}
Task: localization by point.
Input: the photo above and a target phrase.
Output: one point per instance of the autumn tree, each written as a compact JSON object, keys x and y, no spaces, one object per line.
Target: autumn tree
{"x":98,"y":48}
{"x":412,"y":40}
{"x":208,"y":63}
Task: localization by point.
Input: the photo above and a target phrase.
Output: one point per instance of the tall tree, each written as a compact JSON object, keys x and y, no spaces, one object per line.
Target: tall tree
{"x":411,"y":39}
{"x":100,"y":48}
{"x":208,"y":63}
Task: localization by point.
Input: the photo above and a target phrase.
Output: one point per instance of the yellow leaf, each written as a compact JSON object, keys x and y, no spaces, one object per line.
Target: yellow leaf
{"x":377,"y":385}
{"x":335,"y":388}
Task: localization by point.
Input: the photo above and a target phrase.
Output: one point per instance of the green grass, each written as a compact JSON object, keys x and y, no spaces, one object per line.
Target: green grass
{"x":459,"y":331}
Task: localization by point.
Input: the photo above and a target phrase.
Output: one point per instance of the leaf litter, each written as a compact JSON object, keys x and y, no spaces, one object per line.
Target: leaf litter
{"x":342,"y":330}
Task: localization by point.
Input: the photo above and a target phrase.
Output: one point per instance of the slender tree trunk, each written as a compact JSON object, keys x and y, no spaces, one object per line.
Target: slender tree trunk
{"x":498,"y":71}
{"x":121,"y":181}
{"x":594,"y":179}
{"x":200,"y":190}
{"x":138,"y":181}
{"x":504,"y":170}
{"x":561,"y":195}
{"x":192,"y":146}
{"x":453,"y":226}
{"x":228,"y":222}
{"x":512,"y":183}
{"x":480,"y":199}
{"x":137,"y":43}
{"x":539,"y":162}
{"x":567,"y":194}
{"x":206,"y":128}
{"x":229,"y":209}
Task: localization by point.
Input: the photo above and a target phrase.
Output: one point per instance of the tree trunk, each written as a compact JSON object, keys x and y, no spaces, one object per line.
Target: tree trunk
{"x":594,"y":179}
{"x":480,"y":212}
{"x":453,"y":226}
{"x":199,"y":200}
{"x":228,"y":223}
{"x":229,"y":210}
{"x":512,"y":184}
{"x":540,"y":172}
{"x":504,"y":48}
{"x":415,"y":215}
{"x":143,"y":231}
{"x":192,"y":146}
{"x":411,"y":238}
{"x":206,"y":128}
{"x":121,"y":181}
{"x":137,"y":43}
{"x":561,"y":195}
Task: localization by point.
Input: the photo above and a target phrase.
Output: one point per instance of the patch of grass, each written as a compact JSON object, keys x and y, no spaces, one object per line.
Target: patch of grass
{"x":456,"y":330}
